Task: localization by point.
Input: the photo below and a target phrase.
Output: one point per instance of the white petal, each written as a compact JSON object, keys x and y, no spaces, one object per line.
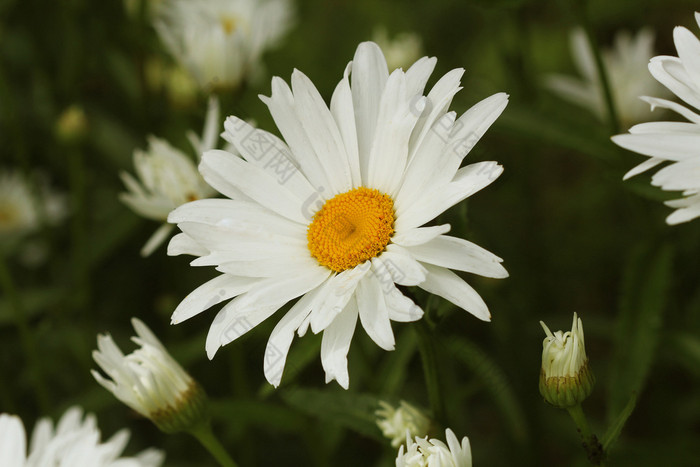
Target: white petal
{"x":262,"y":300}
{"x":322,"y":132}
{"x":335,"y":296}
{"x":643,"y":167}
{"x":419,"y":235}
{"x":468,"y":181}
{"x":158,"y":237}
{"x":450,"y":286}
{"x":254,"y":182}
{"x":369,"y":76}
{"x":282,"y":335}
{"x":673,"y":147}
{"x":209,"y":294}
{"x":674,"y":106}
{"x":462,"y":255}
{"x":344,"y":115}
{"x":268,"y":152}
{"x":401,"y":308}
{"x":282,"y":108}
{"x":397,"y":265}
{"x":269,"y":267}
{"x":12,"y":441}
{"x":336,"y":343}
{"x":417,"y":76}
{"x":374,"y":314}
{"x":688,"y":47}
{"x":670,"y":72}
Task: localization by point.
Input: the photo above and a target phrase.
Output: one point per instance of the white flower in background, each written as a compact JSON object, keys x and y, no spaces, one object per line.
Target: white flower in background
{"x":625,"y":64}
{"x":150,"y":381}
{"x":73,"y":442}
{"x":435,"y":453}
{"x":675,"y":142}
{"x":167,"y":178}
{"x":566,"y":378}
{"x":25,"y":207}
{"x":395,"y":422}
{"x":401,"y":51}
{"x":221,"y":41}
{"x":334,"y":214}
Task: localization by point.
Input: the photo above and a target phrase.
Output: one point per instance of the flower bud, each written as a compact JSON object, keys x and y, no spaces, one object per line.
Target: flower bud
{"x":566,"y":378}
{"x":151,"y":382}
{"x":395,"y":422}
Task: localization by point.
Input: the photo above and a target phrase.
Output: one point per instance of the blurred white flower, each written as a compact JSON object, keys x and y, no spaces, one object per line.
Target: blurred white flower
{"x":625,"y":64}
{"x":396,"y":421}
{"x":167,"y":178}
{"x":74,"y":442}
{"x":401,"y":51}
{"x":566,"y":378}
{"x":221,"y":41}
{"x":26,"y":206}
{"x":333,"y":215}
{"x":150,"y":381}
{"x":435,"y":453}
{"x":675,"y":142}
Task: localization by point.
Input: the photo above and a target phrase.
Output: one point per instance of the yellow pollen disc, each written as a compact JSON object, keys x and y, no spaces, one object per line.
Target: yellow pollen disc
{"x":229,"y":24}
{"x":351,"y":228}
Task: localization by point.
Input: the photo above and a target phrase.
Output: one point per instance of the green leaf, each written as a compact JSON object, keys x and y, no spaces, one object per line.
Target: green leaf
{"x":642,"y":303}
{"x":616,"y":426}
{"x":495,"y":381}
{"x":34,"y":301}
{"x":353,"y":411}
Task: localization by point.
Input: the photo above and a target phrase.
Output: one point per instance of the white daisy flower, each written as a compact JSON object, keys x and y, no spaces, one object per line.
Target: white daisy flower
{"x":675,"y":142}
{"x":75,"y":441}
{"x":150,"y":381}
{"x":221,"y":41}
{"x":167,"y":178}
{"x":435,"y":453}
{"x":401,"y":51}
{"x":334,"y":215}
{"x":625,"y":64}
{"x":19,"y":212}
{"x":566,"y":378}
{"x":395,"y":422}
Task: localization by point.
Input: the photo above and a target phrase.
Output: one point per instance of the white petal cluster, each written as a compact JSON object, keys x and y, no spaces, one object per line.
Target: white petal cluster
{"x":24,"y":207}
{"x":395,"y":422}
{"x":563,"y":354}
{"x":625,"y":64}
{"x":221,"y":41}
{"x":401,"y":51}
{"x":380,"y":132}
{"x":675,"y":142}
{"x":148,"y":380}
{"x":434,"y":453}
{"x":73,"y":442}
{"x":166,"y":178}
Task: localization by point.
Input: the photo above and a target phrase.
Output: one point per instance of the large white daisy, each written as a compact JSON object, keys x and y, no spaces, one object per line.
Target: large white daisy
{"x":676,"y":142}
{"x":334,"y":214}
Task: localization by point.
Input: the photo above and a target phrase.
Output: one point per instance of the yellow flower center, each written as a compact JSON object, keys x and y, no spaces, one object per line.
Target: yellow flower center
{"x":229,"y":24}
{"x":351,"y":228}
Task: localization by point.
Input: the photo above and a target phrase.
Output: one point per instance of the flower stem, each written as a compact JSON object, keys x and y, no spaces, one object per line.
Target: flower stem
{"x":27,"y":339}
{"x":206,"y":437}
{"x":594,"y":450}
{"x":426,"y":345}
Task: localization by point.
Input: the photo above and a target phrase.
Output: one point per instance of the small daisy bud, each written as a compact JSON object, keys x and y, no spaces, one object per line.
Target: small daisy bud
{"x":71,"y":125}
{"x":395,"y":422}
{"x":566,"y":378}
{"x":151,"y":382}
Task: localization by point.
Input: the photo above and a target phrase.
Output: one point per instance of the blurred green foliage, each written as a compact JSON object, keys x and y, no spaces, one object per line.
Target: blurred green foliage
{"x":574,"y":238}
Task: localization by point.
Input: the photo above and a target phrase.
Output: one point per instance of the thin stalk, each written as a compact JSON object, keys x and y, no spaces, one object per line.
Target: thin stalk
{"x":426,"y":346}
{"x":78,"y":228}
{"x":594,"y":450}
{"x":26,"y":337}
{"x":206,"y":437}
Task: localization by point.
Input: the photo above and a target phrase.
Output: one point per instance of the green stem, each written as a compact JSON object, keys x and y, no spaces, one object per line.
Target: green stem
{"x":594,"y":450}
{"x":206,"y":437}
{"x":426,"y":346}
{"x":27,"y":339}
{"x":78,"y":230}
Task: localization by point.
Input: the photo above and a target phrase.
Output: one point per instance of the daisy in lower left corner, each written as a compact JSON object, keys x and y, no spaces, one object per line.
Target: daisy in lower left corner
{"x":334,"y":214}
